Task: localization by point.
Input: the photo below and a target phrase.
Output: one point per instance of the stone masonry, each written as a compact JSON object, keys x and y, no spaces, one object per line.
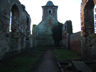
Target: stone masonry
{"x":75,"y":42}
{"x":14,"y":27}
{"x":42,"y":33}
{"x":87,"y":28}
{"x":66,"y":32}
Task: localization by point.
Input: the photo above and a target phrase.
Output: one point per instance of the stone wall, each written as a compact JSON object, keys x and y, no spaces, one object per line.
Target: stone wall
{"x":14,"y":27}
{"x":42,"y":33}
{"x":91,"y":46}
{"x":66,"y":32}
{"x":87,"y":28}
{"x":75,"y":42}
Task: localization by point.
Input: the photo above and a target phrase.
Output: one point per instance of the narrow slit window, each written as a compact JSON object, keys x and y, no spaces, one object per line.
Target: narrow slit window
{"x":10,"y":22}
{"x":95,"y":19}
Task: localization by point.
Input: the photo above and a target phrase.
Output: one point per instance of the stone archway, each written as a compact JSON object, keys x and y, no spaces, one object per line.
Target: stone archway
{"x":14,"y":27}
{"x":14,"y":16}
{"x":87,"y":17}
{"x":87,"y":27}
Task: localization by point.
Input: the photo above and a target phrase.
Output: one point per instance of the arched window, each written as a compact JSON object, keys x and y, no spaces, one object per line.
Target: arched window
{"x":87,"y":22}
{"x":14,"y":15}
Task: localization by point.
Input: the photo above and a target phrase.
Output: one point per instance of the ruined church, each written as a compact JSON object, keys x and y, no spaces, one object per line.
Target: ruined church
{"x":14,"y":28}
{"x":42,"y":33}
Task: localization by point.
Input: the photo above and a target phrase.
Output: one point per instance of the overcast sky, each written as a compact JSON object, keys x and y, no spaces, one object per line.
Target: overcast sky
{"x":67,"y":10}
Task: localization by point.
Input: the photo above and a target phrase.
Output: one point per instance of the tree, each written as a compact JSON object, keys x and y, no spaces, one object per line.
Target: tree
{"x":57,"y":33}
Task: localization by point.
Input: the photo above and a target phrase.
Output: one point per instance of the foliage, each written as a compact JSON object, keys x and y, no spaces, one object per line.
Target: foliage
{"x":57,"y":33}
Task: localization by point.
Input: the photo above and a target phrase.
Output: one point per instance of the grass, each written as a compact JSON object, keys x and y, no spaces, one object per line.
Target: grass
{"x":64,"y":54}
{"x":19,"y":64}
{"x":22,"y":63}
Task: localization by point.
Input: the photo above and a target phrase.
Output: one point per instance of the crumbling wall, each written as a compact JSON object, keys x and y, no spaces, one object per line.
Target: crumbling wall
{"x":14,"y":27}
{"x":87,"y":28}
{"x":91,"y":45}
{"x":66,"y":32}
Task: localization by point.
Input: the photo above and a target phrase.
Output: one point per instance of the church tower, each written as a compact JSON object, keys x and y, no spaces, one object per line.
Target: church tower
{"x":49,"y":10}
{"x":43,"y":34}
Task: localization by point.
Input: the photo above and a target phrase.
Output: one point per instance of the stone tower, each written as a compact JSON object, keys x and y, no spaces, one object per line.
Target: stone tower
{"x":43,"y":35}
{"x":49,"y":10}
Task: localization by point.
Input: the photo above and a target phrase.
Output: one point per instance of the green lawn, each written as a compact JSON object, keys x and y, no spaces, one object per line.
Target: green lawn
{"x":64,"y":54}
{"x":22,"y":63}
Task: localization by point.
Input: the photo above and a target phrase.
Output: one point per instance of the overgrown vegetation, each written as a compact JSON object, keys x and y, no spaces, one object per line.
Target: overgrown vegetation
{"x":64,"y":54}
{"x":22,"y":63}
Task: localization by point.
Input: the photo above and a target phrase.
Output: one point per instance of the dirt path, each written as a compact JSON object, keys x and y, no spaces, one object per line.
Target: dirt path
{"x":48,"y":63}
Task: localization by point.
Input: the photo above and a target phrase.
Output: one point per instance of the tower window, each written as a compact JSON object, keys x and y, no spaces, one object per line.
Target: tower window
{"x":50,"y":11}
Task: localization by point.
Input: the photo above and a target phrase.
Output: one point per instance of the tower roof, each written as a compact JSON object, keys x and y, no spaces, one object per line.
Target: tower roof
{"x":49,"y":3}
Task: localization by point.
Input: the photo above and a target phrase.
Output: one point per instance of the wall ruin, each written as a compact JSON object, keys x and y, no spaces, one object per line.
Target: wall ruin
{"x":14,"y":27}
{"x":87,"y":28}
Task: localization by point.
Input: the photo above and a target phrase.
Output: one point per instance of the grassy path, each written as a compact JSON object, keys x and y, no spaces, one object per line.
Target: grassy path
{"x":48,"y":63}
